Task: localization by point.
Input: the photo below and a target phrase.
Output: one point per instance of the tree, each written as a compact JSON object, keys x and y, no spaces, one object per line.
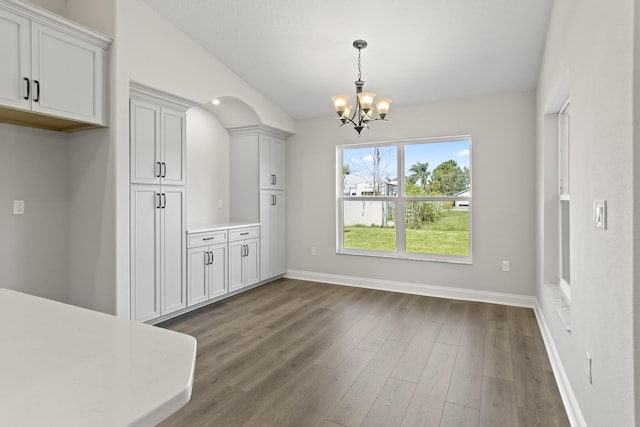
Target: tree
{"x":345,"y":171}
{"x":448,"y":179}
{"x":419,"y":173}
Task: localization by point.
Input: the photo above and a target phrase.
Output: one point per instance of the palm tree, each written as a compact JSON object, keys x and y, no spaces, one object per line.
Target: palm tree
{"x":419,"y":172}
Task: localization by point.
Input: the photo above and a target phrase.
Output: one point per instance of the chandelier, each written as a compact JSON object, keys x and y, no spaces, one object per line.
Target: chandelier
{"x":364,"y":111}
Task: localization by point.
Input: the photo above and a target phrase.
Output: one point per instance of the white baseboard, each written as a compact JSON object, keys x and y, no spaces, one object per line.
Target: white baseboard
{"x":564,"y":386}
{"x":416,"y":288}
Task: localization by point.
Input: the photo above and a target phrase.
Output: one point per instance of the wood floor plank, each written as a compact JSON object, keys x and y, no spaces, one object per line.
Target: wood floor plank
{"x":476,"y":318}
{"x":410,"y":323}
{"x":459,"y":416}
{"x":498,"y":403}
{"x":391,"y":404}
{"x":466,"y":381}
{"x":428,"y":400}
{"x":497,"y":351}
{"x":453,"y":323}
{"x":412,"y":362}
{"x":519,"y":320}
{"x":342,"y":346}
{"x":285,"y":354}
{"x":313,"y":408}
{"x":531,"y":387}
{"x":288,"y":399}
{"x":497,"y":312}
{"x":529,"y":418}
{"x":357,"y":401}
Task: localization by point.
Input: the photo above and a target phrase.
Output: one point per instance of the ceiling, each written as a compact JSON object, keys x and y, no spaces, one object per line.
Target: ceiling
{"x":299,"y":53}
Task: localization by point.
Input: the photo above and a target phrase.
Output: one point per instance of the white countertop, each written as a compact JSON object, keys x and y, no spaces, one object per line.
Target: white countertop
{"x":219,"y":226}
{"x":62,"y":365}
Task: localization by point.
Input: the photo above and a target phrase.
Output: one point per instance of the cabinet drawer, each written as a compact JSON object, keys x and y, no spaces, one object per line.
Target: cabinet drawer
{"x":244,"y":233}
{"x":203,"y":239}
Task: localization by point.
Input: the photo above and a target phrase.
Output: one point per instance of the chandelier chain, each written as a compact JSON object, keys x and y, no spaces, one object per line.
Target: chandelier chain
{"x":359,"y":65}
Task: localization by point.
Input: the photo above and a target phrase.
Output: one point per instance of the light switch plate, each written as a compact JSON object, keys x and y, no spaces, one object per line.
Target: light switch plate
{"x":18,"y":207}
{"x":600,"y":214}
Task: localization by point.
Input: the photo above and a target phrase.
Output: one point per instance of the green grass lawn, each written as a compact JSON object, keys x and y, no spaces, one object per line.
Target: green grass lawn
{"x":447,"y":236}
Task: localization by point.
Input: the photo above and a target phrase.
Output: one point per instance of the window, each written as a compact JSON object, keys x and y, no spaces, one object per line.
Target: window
{"x":421,"y":212}
{"x":564,"y":197}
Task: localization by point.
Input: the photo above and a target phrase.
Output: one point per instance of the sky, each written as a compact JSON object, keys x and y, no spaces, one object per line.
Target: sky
{"x":360,"y":160}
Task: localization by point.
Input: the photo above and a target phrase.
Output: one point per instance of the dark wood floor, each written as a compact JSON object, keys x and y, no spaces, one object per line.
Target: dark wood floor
{"x":296,"y":353}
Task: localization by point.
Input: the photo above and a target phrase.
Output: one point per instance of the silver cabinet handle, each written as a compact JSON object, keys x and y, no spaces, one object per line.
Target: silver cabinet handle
{"x":164,"y":200}
{"x":208,"y":238}
{"x":273,"y":179}
{"x":164,"y":170}
{"x":159,"y":170}
{"x":244,"y":234}
{"x":159,"y":198}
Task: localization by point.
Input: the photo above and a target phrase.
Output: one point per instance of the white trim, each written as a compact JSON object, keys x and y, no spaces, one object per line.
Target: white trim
{"x":576,"y":419}
{"x":416,"y":288}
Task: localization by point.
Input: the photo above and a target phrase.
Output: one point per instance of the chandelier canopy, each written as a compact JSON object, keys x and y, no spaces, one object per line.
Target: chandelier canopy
{"x":365,"y":102}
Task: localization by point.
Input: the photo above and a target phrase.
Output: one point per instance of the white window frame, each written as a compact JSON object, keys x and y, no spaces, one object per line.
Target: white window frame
{"x":564,"y":198}
{"x":400,"y":202}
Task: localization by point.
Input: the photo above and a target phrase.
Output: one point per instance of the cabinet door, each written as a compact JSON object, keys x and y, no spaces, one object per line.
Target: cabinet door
{"x":144,"y":129}
{"x":277,"y":160}
{"x":15,"y":65}
{"x":266,"y":205}
{"x":236,"y":265}
{"x":68,"y":76}
{"x":252,"y":262}
{"x":271,"y":163}
{"x":145,"y":252}
{"x":197,"y":266}
{"x":278,"y":235}
{"x":172,"y":243}
{"x":172,"y":147}
{"x":218,"y":271}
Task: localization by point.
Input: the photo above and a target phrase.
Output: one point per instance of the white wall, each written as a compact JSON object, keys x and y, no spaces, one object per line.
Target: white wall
{"x":503,"y":131}
{"x":592,"y":43}
{"x":207,"y":168}
{"x":34,"y":246}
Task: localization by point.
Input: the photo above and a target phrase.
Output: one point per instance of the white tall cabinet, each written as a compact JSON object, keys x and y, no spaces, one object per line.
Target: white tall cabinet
{"x":157,"y":221}
{"x":51,"y":67}
{"x":258,"y":190}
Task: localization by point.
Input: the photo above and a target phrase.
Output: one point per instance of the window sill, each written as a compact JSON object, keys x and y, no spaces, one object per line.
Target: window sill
{"x":560,"y":303}
{"x":433,"y":258}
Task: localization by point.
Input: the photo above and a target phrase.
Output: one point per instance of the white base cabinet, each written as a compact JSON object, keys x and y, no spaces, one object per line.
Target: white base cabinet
{"x":244,"y":257}
{"x":206,"y":267}
{"x":158,"y":265}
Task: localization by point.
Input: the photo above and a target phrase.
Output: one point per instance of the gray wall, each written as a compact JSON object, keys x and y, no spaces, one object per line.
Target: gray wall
{"x":503,"y":131}
{"x":34,"y":247}
{"x":592,"y":44}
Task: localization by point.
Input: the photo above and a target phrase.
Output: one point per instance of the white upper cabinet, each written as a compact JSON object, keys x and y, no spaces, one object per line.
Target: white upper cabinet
{"x":15,"y":67}
{"x":157,"y":140}
{"x":271,"y":162}
{"x":50,"y":67}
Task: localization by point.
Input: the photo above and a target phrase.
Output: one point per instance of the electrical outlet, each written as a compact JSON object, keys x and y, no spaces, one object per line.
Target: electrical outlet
{"x":505,"y":266}
{"x":314,"y":251}
{"x":18,"y":207}
{"x":587,"y":367}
